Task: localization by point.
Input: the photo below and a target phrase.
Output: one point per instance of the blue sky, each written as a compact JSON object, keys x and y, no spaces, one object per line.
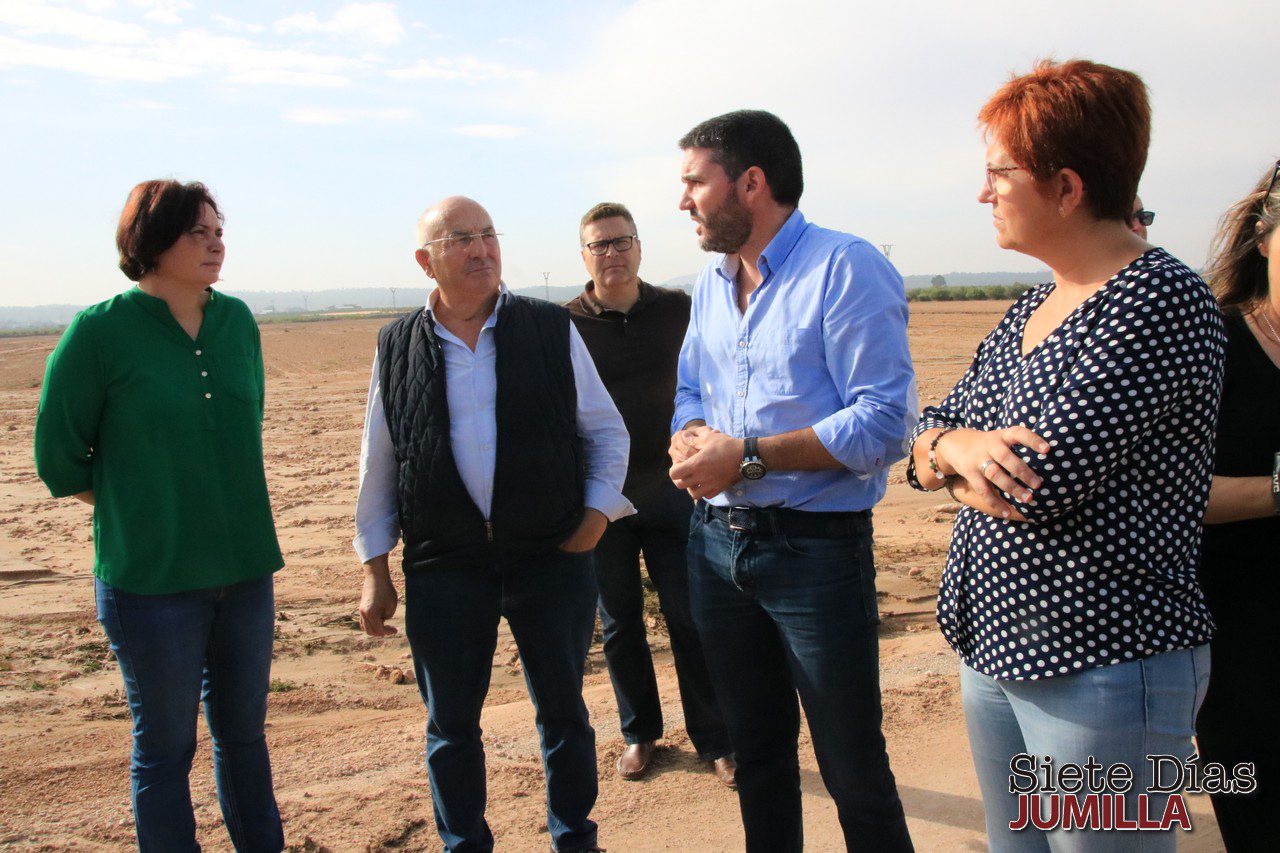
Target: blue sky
{"x":325,"y":128}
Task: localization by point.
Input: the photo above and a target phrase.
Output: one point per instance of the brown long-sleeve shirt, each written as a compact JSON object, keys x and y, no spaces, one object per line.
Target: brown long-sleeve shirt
{"x":636,"y":354}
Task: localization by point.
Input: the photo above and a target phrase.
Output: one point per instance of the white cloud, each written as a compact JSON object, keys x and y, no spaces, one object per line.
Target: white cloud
{"x":236,"y":26}
{"x":371,"y":22}
{"x":100,"y":62}
{"x":466,"y":68}
{"x":148,"y":105}
{"x":38,"y":19}
{"x":491,"y":131}
{"x":163,"y":11}
{"x":248,"y":62}
{"x":190,"y":52}
{"x":323,"y":115}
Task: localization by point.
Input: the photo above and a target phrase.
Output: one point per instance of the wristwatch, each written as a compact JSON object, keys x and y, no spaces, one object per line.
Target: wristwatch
{"x":1275,"y":484}
{"x":752,"y":467}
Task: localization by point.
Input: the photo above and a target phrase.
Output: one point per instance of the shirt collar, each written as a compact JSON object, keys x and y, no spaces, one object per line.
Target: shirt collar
{"x":588,"y":298}
{"x":158,"y":308}
{"x":774,"y":255}
{"x":503,"y":293}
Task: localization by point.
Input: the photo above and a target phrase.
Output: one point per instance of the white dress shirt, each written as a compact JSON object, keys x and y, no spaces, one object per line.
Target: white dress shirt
{"x":472,"y":391}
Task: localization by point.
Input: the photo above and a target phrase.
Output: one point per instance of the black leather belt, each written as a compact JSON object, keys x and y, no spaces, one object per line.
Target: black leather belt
{"x":781,"y":521}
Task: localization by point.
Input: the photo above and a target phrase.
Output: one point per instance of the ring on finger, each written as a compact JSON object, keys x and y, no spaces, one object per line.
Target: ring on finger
{"x":982,"y":469}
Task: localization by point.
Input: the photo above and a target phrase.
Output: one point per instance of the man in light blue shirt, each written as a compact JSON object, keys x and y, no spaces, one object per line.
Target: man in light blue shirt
{"x":795,"y":394}
{"x":500,"y":481}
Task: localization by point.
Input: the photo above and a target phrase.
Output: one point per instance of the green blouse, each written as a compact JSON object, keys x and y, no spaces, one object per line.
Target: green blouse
{"x":167,"y":432}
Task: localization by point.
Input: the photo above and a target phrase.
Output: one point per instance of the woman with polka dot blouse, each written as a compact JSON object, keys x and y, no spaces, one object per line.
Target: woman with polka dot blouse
{"x":1080,"y":442}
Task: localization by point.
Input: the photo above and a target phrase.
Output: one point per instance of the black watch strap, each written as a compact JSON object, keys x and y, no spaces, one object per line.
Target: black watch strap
{"x":750,"y":449}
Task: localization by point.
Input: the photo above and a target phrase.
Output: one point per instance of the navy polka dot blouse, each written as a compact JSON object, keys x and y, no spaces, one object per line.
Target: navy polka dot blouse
{"x":1126,"y":392}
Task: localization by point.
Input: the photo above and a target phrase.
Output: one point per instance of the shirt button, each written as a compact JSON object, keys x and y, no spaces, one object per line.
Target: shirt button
{"x":204,"y":373}
{"x":742,"y":393}
{"x":208,"y":396}
{"x":199,"y":352}
{"x":742,"y":344}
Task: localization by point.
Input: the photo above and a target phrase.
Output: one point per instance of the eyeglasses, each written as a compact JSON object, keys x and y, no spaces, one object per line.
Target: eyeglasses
{"x":619,"y":244}
{"x":992,"y":171}
{"x":465,"y":241}
{"x":1271,"y":185}
{"x":1144,"y":217}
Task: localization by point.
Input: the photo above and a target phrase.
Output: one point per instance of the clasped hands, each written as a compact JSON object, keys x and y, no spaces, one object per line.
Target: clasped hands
{"x":974,"y":461}
{"x":705,"y":460}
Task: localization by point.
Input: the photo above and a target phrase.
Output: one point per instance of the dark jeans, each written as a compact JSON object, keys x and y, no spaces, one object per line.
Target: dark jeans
{"x":176,"y":650}
{"x":660,"y":528}
{"x":779,"y":614}
{"x":451,"y":621}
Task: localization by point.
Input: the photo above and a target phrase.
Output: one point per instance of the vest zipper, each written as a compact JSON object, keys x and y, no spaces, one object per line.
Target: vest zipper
{"x":488,"y":530}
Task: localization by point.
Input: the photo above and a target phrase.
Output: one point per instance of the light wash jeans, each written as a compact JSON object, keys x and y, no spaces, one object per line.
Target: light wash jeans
{"x":1118,"y":713}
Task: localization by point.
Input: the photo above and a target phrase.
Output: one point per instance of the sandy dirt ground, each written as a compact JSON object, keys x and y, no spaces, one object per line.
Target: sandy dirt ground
{"x":346,"y":724}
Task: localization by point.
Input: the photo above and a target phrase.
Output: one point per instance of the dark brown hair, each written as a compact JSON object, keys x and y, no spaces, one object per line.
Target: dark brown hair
{"x":1237,"y":271}
{"x":155,"y":215}
{"x":1078,"y":115}
{"x":745,"y":138}
{"x":605,"y":210}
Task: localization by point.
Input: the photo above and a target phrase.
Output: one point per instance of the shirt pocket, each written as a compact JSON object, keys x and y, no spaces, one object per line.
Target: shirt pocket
{"x":792,"y":360}
{"x":237,"y":376}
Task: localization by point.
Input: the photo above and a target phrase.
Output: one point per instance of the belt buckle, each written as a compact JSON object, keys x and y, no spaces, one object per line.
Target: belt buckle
{"x":746,"y":524}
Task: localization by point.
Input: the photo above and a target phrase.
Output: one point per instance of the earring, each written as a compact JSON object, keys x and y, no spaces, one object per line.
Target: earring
{"x":1061,"y":212}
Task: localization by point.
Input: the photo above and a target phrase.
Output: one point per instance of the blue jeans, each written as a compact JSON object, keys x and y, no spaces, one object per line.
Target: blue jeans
{"x":176,"y":650}
{"x":660,"y":528}
{"x":1118,"y":713}
{"x":451,"y":621}
{"x":779,"y":614}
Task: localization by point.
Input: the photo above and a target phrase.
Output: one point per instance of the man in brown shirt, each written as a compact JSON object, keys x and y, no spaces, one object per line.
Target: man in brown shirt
{"x":634,"y":331}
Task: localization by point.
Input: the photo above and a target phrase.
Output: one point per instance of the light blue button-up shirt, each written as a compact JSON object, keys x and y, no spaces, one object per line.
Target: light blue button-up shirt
{"x":823,"y":344}
{"x":472,"y":392}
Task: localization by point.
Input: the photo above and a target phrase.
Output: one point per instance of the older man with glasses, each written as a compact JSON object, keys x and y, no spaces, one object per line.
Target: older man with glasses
{"x":493,"y":450}
{"x":634,"y":331}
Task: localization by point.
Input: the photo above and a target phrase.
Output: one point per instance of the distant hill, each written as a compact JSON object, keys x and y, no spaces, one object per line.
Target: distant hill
{"x":36,"y":316}
{"x":303,"y":301}
{"x":977,"y":279}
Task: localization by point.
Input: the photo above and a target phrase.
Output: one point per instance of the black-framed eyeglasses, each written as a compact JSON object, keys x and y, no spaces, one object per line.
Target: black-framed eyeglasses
{"x":1144,"y":217}
{"x":619,"y":244}
{"x":464,"y":241}
{"x":992,"y":171}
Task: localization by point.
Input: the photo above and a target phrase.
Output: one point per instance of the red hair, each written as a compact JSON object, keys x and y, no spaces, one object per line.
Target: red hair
{"x":1078,"y":115}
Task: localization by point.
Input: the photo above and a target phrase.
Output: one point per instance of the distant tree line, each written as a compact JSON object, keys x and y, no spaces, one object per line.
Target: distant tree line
{"x":943,"y":293}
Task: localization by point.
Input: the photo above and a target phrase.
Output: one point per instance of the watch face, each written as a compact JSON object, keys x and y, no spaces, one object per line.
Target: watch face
{"x":753,"y":470}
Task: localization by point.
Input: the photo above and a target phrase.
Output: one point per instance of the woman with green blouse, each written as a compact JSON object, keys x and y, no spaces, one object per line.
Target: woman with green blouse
{"x":151,"y":412}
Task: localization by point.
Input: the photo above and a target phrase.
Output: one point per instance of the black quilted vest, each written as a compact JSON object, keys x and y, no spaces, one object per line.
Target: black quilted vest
{"x":539,"y":474}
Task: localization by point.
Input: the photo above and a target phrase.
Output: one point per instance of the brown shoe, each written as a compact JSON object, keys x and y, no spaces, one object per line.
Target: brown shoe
{"x":635,"y":760}
{"x":726,"y":770}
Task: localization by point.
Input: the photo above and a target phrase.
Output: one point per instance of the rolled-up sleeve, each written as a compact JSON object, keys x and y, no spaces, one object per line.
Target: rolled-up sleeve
{"x":865,"y":336}
{"x":606,"y":443}
{"x":377,"y":519}
{"x":71,"y":403}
